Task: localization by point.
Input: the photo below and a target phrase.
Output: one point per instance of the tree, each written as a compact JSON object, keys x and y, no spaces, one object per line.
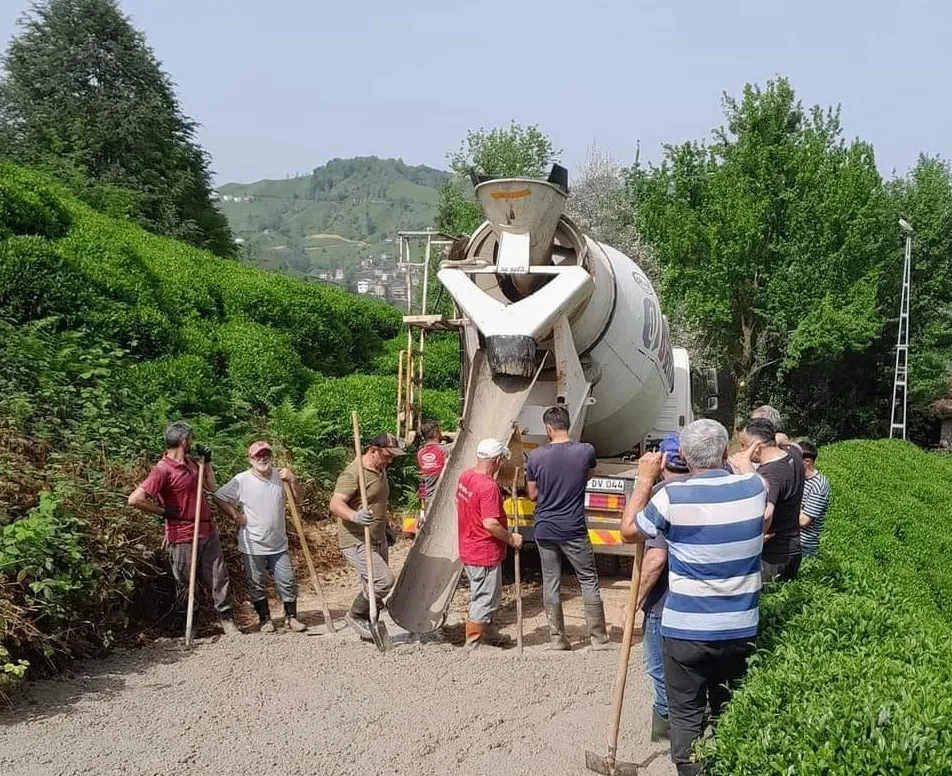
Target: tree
{"x":502,"y":152}
{"x":770,"y":239}
{"x":85,"y":99}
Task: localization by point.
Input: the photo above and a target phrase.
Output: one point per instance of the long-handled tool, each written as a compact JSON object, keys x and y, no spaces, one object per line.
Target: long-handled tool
{"x":193,"y":566}
{"x":608,"y":765}
{"x":378,"y":630}
{"x":315,"y":582}
{"x":516,"y":562}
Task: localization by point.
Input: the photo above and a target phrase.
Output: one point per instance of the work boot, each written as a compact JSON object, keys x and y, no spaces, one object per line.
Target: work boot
{"x":228,"y":624}
{"x":290,"y":617}
{"x":493,"y":636}
{"x":660,"y":726}
{"x":595,"y":620}
{"x":264,"y":616}
{"x":358,"y":617}
{"x":475,"y":632}
{"x":557,"y":640}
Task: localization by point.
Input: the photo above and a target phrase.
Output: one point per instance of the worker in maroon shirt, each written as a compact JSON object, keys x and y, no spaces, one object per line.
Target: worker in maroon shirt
{"x":170,"y":492}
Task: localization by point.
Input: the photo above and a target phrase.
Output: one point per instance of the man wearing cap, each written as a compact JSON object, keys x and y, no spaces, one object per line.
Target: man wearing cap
{"x":346,"y":506}
{"x":484,"y":535}
{"x":255,"y":501}
{"x":653,"y":591}
{"x":556,"y":477}
{"x":170,"y":493}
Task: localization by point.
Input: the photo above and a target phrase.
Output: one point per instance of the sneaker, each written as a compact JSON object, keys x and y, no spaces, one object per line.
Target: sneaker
{"x":295,"y":624}
{"x":267,"y":626}
{"x":229,"y":627}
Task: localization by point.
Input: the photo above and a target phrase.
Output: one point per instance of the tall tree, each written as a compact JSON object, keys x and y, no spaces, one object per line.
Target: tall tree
{"x":502,"y":152}
{"x":770,"y":237}
{"x":85,"y":98}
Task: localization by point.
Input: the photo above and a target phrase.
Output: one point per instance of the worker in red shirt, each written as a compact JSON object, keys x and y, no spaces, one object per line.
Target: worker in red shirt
{"x":483,"y":537}
{"x":169,"y":493}
{"x":431,"y":459}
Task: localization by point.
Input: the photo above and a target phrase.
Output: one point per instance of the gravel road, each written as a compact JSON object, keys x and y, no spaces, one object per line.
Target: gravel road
{"x":330,"y":704}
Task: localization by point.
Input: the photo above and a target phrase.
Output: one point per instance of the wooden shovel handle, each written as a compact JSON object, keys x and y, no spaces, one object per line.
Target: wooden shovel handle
{"x":368,"y":550}
{"x":315,"y":582}
{"x":193,"y":565}
{"x":618,"y":696}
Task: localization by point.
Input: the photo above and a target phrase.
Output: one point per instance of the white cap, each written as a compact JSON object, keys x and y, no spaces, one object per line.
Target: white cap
{"x":491,"y":448}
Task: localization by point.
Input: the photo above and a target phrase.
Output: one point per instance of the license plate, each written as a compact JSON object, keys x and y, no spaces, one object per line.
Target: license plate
{"x":606,"y":485}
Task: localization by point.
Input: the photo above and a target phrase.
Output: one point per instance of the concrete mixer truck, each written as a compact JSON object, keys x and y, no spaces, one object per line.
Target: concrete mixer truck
{"x":548,"y":316}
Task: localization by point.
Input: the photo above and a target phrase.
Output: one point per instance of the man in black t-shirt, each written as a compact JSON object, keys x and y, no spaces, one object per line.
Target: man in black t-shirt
{"x":783,"y":471}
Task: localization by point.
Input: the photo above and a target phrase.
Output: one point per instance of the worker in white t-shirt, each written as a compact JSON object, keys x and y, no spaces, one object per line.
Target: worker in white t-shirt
{"x":255,"y":501}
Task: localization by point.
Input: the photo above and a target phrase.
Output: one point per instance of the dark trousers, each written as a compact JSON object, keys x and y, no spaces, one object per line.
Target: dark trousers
{"x":212,"y":571}
{"x":783,"y":570}
{"x":581,"y":556}
{"x":697,"y":673}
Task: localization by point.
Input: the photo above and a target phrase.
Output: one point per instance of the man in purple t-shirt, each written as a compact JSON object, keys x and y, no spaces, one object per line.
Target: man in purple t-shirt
{"x":556,"y":476}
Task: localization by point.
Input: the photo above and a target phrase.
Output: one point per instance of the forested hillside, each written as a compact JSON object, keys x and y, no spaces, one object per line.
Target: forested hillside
{"x":344,"y":211}
{"x":107,"y":333}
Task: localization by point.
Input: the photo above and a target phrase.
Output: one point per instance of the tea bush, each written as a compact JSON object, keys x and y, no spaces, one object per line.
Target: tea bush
{"x":108,"y":333}
{"x":852,"y":675}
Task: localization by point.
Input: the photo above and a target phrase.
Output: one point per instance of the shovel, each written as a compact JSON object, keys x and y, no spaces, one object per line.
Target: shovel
{"x":378,"y":630}
{"x":315,"y":582}
{"x":608,"y":765}
{"x":193,"y":566}
{"x":516,"y":560}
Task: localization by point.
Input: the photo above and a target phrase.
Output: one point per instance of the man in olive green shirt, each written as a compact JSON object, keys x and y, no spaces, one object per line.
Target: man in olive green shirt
{"x":346,"y":506}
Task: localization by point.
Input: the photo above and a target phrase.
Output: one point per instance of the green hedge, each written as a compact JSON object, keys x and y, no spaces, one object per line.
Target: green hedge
{"x":853,"y":675}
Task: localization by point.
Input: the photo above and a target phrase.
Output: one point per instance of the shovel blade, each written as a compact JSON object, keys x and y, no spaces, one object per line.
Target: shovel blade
{"x":609,"y":766}
{"x":380,"y":635}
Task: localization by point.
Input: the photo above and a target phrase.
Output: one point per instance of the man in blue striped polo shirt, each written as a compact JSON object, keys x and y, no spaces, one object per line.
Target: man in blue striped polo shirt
{"x":713,"y":523}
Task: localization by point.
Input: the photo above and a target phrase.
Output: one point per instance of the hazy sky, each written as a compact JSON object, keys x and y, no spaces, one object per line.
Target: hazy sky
{"x":282,"y":86}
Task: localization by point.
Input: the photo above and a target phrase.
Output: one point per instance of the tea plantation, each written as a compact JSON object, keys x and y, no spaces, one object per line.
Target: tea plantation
{"x":853,"y":675}
{"x":107,"y":333}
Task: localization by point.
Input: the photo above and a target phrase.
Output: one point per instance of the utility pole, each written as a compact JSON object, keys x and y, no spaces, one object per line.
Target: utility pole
{"x":897,"y":424}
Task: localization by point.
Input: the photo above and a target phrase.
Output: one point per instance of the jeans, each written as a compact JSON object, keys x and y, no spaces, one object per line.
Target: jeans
{"x":651,"y":643}
{"x":580,"y":554}
{"x":485,"y":592}
{"x":697,"y":673}
{"x":212,"y":571}
{"x":383,"y":577}
{"x":257,"y":568}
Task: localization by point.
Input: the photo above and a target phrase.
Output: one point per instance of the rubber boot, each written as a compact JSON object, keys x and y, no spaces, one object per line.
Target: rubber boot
{"x":557,"y":640}
{"x":290,"y":617}
{"x":228,"y":624}
{"x":493,"y":636}
{"x":264,"y":616}
{"x":660,"y":727}
{"x":358,"y":617}
{"x":595,"y":620}
{"x":475,"y":631}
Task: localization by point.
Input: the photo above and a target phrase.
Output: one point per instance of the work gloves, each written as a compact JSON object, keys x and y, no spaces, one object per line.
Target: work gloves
{"x":203,"y":452}
{"x":170,"y":513}
{"x":363,"y":517}
{"x":391,"y":536}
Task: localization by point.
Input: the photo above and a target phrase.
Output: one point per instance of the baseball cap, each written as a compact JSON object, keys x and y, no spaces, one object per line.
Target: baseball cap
{"x":388,"y":442}
{"x":491,"y":448}
{"x":258,"y":447}
{"x":672,"y":447}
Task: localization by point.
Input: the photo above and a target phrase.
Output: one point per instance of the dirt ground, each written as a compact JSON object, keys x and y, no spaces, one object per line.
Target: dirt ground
{"x":330,"y":704}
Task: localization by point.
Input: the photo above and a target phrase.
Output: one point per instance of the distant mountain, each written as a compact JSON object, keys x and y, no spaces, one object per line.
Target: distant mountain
{"x":342,"y":213}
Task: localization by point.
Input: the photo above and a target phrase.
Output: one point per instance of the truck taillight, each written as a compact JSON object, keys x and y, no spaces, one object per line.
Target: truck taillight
{"x":605,"y":501}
